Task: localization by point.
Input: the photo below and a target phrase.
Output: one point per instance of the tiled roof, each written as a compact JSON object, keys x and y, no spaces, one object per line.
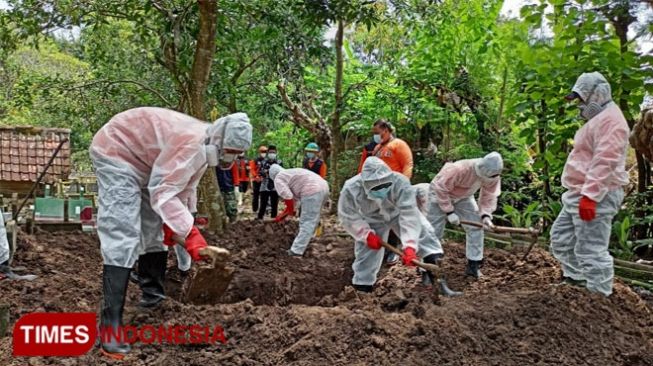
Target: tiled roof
{"x":24,"y":151}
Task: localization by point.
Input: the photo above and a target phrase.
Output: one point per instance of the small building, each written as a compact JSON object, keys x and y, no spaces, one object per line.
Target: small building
{"x":24,"y":152}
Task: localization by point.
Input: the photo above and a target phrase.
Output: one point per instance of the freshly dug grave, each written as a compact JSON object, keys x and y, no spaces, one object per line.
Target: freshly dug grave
{"x":301,"y":311}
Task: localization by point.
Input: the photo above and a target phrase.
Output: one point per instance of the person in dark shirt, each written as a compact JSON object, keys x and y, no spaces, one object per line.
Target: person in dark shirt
{"x":268,"y":192}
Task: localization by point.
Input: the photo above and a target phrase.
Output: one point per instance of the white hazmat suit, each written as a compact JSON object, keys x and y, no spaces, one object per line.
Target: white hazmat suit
{"x":4,"y":242}
{"x":361,"y":213}
{"x":149,"y":162}
{"x":312,"y":192}
{"x":595,"y":173}
{"x":452,"y":191}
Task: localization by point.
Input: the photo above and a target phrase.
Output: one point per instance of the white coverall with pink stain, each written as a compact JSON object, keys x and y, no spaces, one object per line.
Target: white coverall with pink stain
{"x":310,"y":190}
{"x":452,"y":191}
{"x":148,"y":163}
{"x":594,"y":169}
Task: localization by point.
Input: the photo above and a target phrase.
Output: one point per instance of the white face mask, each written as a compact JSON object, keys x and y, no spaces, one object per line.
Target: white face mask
{"x":377,"y":138}
{"x":227,"y":160}
{"x":263,"y":155}
{"x":211,"y":155}
{"x":272,"y":156}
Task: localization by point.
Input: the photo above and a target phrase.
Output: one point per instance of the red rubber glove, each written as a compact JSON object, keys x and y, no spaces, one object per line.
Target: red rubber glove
{"x":289,"y":211}
{"x":201,"y":221}
{"x":373,"y":241}
{"x":194,"y":242}
{"x":167,"y":236}
{"x":409,"y":255}
{"x":587,"y":209}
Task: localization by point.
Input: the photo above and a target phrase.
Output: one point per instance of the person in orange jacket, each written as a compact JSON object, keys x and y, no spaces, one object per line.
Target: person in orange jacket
{"x":313,"y":162}
{"x":393,"y":151}
{"x":242,"y":167}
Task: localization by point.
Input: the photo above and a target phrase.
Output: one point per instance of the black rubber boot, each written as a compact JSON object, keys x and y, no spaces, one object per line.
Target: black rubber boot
{"x":473,"y":268}
{"x":134,"y":278}
{"x":364,"y":288}
{"x":152,"y":273}
{"x":428,"y":280}
{"x":114,"y":287}
{"x":572,"y":282}
{"x":427,"y":277}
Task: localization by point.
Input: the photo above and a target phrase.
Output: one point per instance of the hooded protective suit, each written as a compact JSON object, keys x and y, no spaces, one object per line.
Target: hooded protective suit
{"x":422,"y":197}
{"x":311,"y":191}
{"x":4,"y":242}
{"x":595,"y":170}
{"x":360,"y":213}
{"x":149,"y":162}
{"x":452,"y":191}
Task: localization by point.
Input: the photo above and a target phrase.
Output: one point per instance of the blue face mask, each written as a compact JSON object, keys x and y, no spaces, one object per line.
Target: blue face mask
{"x":310,"y":155}
{"x":380,"y":194}
{"x":377,"y":138}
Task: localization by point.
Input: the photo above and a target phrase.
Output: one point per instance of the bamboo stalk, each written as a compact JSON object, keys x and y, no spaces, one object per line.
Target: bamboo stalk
{"x":637,"y":266}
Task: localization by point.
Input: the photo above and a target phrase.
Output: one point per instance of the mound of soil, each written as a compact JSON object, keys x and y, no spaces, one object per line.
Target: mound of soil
{"x":281,"y":310}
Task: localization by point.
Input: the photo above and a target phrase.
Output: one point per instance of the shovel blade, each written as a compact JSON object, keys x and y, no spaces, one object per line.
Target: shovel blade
{"x":207,"y":284}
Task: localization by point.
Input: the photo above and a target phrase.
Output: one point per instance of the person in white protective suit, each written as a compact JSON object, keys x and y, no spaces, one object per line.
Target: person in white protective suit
{"x":4,"y":246}
{"x":594,"y":176}
{"x":370,"y":205}
{"x":311,"y":191}
{"x":422,"y":197}
{"x":451,"y":197}
{"x":148,"y":163}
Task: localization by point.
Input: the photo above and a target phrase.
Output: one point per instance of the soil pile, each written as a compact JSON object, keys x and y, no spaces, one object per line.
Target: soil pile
{"x":281,"y":310}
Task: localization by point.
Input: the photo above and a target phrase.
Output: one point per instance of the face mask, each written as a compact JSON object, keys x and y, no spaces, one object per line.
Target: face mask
{"x":588,"y":111}
{"x":380,"y":194}
{"x":377,"y":138}
{"x":263,"y":155}
{"x":272,"y":156}
{"x":227,"y":161}
{"x":310,"y":155}
{"x":211,"y":155}
{"x":228,"y":158}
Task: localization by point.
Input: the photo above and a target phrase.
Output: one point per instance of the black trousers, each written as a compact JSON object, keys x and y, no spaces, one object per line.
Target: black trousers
{"x":243,"y":187}
{"x":273,"y":198}
{"x":256,"y":195}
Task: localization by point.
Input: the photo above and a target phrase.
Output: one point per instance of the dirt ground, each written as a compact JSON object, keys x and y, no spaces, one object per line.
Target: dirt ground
{"x":301,"y":311}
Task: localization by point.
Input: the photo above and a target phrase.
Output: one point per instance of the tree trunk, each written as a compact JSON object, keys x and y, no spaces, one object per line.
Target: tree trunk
{"x":210,"y":199}
{"x":337,"y":145}
{"x":502,"y":102}
{"x":621,"y":21}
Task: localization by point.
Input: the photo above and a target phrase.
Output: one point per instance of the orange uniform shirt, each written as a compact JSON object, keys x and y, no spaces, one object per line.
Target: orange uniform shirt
{"x":397,"y":154}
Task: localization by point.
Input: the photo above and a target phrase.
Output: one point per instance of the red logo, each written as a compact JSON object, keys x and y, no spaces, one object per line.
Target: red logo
{"x":54,"y":334}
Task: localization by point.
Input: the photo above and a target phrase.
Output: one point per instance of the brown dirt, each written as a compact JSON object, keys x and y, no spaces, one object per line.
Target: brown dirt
{"x":282,"y":311}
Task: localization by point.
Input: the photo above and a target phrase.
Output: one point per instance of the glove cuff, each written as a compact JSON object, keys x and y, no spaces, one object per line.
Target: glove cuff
{"x":486,"y":215}
{"x":449,"y":213}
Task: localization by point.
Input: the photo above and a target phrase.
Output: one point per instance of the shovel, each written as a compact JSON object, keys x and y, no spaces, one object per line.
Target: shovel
{"x":443,"y":287}
{"x":533,"y":232}
{"x":210,"y":281}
